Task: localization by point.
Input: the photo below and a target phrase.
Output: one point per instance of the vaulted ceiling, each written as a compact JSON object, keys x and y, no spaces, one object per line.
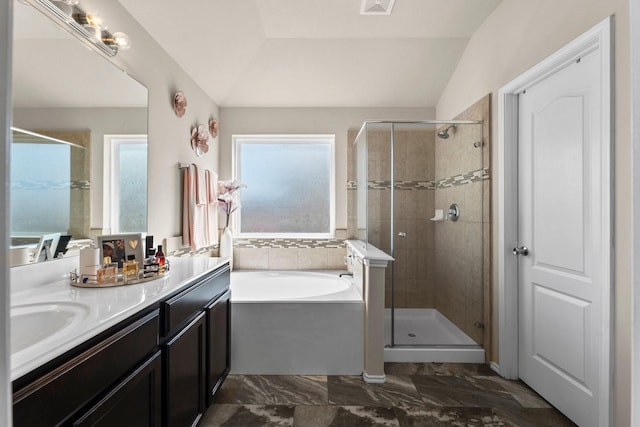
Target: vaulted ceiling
{"x":314,"y":53}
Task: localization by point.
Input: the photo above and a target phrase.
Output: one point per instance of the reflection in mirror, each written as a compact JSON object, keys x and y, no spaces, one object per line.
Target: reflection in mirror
{"x":49,"y":182}
{"x":64,"y":91}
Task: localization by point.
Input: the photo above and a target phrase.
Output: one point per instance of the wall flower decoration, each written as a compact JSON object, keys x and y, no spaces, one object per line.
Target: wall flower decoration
{"x":179,"y":103}
{"x":199,"y":138}
{"x":213,"y":127}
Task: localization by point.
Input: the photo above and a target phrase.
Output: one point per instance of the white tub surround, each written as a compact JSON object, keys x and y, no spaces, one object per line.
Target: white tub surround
{"x":295,"y":323}
{"x":45,"y":288}
{"x":368,"y":265}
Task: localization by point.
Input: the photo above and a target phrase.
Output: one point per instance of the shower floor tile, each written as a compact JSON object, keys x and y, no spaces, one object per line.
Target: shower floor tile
{"x":423,"y":326}
{"x":415,"y":394}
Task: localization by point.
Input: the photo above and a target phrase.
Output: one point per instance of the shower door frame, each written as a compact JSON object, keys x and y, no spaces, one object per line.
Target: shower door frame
{"x":364,"y":128}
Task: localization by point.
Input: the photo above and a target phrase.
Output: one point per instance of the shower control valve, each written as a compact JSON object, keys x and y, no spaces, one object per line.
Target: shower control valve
{"x":402,"y":234}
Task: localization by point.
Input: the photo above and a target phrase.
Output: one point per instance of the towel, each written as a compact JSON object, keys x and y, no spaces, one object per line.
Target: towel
{"x":211,"y":179}
{"x":201,"y":186}
{"x":194,"y":215}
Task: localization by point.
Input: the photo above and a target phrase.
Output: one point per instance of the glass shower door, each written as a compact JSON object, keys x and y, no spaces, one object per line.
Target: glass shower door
{"x":412,"y":233}
{"x":437,"y":275}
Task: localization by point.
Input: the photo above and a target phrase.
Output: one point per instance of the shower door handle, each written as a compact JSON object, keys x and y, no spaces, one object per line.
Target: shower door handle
{"x":522,"y":250}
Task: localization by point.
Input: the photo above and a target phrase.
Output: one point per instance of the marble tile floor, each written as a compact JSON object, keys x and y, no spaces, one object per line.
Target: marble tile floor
{"x":415,"y":394}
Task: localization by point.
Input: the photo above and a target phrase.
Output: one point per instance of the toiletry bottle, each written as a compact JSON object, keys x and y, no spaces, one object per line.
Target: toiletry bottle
{"x":130,"y":268}
{"x":149,"y":250}
{"x":108,"y":272}
{"x":160,"y":258}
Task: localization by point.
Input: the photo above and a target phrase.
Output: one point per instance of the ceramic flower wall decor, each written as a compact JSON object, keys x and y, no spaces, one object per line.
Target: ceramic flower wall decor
{"x":213,"y":127}
{"x":199,"y":138}
{"x":179,"y":103}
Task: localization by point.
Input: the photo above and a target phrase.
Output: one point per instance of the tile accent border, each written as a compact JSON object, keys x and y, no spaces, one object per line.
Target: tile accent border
{"x":39,"y":185}
{"x":289,"y":243}
{"x":452,"y":181}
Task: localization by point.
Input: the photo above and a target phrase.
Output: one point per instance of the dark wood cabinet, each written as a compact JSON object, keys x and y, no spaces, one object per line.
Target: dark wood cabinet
{"x":195,"y":329}
{"x":218,"y":343}
{"x":135,"y":402}
{"x":54,"y":398}
{"x":184,"y":369}
{"x":158,"y":368}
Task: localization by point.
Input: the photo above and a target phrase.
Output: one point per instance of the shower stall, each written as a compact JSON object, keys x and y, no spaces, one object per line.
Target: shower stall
{"x":419,"y":190}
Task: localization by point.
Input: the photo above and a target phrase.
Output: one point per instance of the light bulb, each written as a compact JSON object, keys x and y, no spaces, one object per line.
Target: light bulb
{"x":117,"y":40}
{"x":122,"y":40}
{"x":90,"y":20}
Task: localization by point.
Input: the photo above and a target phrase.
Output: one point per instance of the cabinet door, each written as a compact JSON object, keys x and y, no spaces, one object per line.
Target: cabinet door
{"x":135,"y":402}
{"x":184,"y":375}
{"x":218,"y":343}
{"x":53,"y":398}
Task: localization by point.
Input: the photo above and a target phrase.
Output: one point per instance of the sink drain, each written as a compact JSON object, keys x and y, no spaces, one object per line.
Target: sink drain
{"x":412,"y":335}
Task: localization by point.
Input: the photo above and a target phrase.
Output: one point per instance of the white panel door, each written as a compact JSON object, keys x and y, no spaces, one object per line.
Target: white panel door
{"x":560,"y":222}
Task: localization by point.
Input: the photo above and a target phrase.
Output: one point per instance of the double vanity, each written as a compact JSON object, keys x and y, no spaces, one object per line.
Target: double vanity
{"x":148,"y":354}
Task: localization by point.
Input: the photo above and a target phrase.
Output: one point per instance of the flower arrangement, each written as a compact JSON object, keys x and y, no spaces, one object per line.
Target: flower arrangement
{"x":199,"y":138}
{"x":228,"y":199}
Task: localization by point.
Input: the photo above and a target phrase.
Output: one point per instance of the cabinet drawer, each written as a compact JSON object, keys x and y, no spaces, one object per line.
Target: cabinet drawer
{"x":136,"y":401}
{"x":51,"y":399}
{"x":177,"y":311}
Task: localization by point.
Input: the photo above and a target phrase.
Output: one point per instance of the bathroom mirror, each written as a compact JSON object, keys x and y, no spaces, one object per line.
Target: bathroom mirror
{"x":77,"y":101}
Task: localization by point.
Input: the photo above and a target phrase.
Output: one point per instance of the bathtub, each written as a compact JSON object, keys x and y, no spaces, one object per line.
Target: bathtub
{"x":296,"y":323}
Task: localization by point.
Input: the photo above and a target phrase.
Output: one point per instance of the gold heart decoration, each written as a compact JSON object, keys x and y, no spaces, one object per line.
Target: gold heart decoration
{"x":133,"y":244}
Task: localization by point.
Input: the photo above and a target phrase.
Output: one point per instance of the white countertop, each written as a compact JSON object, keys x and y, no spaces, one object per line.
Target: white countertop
{"x":96,"y":309}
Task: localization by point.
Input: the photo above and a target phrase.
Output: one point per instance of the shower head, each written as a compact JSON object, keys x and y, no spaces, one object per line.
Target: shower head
{"x":444,"y":133}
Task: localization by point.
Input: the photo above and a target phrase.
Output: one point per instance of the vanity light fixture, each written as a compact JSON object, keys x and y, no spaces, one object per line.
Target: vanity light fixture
{"x":89,"y":28}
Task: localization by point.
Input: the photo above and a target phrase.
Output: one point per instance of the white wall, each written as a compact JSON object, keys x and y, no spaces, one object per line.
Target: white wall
{"x":635,"y":141}
{"x":518,"y":35}
{"x":336,"y":121}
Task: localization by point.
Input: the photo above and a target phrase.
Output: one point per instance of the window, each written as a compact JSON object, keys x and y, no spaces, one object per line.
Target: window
{"x":290,"y":185}
{"x":125,"y":183}
{"x":40,"y":188}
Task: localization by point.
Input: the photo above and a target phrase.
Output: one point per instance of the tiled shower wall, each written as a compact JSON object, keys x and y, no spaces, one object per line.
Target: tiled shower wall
{"x":445,"y":265}
{"x":414,"y":203}
{"x":462,"y":258}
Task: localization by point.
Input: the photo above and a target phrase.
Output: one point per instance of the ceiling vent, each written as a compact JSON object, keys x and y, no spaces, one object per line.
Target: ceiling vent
{"x":377,"y":7}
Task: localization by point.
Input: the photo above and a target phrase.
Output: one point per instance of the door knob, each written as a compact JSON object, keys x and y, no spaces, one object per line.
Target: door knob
{"x":522,"y":250}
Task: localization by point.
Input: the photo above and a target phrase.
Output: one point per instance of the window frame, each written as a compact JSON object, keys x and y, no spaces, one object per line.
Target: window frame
{"x":330,"y":139}
{"x":110,"y":177}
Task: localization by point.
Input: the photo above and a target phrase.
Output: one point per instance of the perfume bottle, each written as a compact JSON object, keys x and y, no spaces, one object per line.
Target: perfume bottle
{"x":130,"y":268}
{"x":159,"y":259}
{"x":108,"y":271}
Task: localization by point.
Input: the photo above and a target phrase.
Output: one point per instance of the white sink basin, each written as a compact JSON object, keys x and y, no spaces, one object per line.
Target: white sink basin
{"x":35,"y":323}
